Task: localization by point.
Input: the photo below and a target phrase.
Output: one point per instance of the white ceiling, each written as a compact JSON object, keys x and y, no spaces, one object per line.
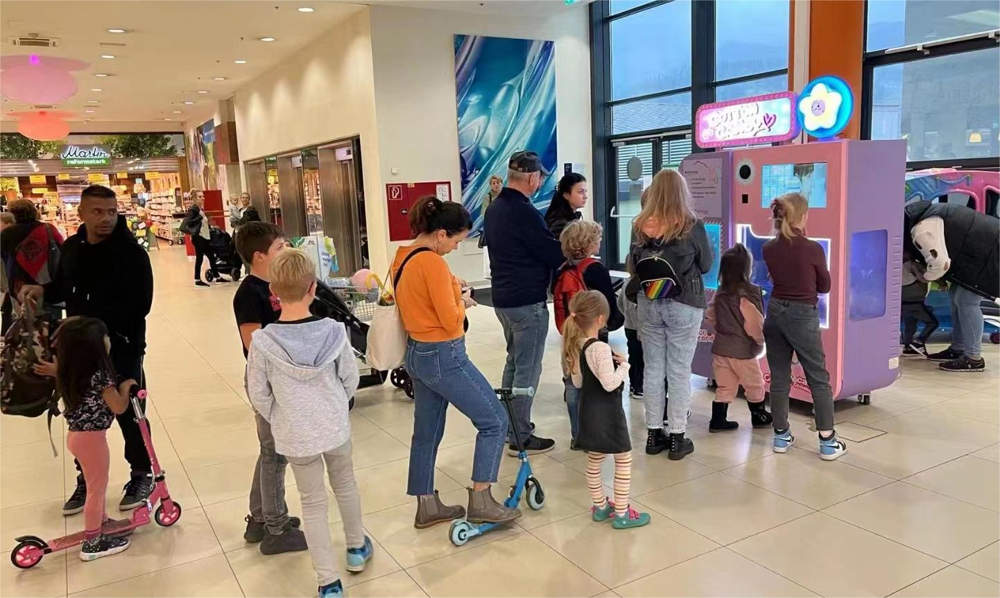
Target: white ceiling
{"x":172,"y":50}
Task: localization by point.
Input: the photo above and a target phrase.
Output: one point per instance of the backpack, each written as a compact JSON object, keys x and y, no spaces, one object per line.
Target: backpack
{"x":569,"y":282}
{"x":26,"y":342}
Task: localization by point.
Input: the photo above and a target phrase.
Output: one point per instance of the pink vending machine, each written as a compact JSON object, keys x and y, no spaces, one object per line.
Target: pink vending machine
{"x":853,"y":188}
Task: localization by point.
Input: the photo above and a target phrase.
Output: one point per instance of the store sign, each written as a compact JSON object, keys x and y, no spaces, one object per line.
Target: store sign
{"x":96,"y":177}
{"x":759,"y":119}
{"x":40,"y":190}
{"x":121,"y":175}
{"x":152,"y":176}
{"x":85,"y":155}
{"x":62,"y":177}
{"x":38,"y":179}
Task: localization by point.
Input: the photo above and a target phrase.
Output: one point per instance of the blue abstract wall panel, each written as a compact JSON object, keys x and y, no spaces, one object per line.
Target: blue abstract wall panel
{"x":506,"y":99}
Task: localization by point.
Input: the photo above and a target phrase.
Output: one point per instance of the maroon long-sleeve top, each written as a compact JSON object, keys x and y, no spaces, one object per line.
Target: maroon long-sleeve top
{"x":798,"y":269}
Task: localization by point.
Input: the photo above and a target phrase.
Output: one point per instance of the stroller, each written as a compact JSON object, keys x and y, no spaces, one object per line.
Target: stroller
{"x":334,"y":303}
{"x":223,"y":259}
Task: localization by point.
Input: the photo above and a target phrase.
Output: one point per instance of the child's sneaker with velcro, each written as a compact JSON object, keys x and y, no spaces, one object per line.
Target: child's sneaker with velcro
{"x":783,"y":441}
{"x":831,"y":448}
{"x":603,"y":513}
{"x":357,"y":558}
{"x":630,"y":519}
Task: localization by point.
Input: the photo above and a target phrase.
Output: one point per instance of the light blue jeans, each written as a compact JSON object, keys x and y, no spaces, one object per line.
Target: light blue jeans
{"x":669,"y":334}
{"x":966,"y":321}
{"x":524,"y":329}
{"x":571,"y":395}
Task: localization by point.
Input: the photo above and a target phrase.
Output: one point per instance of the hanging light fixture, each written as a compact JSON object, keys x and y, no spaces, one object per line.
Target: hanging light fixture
{"x":43,"y":125}
{"x":35,"y":79}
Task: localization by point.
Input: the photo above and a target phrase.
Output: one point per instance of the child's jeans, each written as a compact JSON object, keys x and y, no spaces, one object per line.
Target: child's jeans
{"x":310,"y":474}
{"x":792,"y":326}
{"x":731,"y":373}
{"x":913,"y":314}
{"x":635,"y":360}
{"x":267,"y":490}
{"x":669,"y":338}
{"x":91,"y":450}
{"x":571,"y":395}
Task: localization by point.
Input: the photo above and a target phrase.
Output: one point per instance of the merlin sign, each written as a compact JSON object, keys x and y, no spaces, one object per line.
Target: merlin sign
{"x":85,"y":155}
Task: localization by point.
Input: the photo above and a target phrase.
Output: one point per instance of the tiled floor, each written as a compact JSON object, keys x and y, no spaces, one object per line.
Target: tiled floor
{"x":911,"y":509}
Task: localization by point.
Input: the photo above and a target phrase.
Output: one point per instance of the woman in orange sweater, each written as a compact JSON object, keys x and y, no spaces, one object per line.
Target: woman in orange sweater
{"x":432,"y":306}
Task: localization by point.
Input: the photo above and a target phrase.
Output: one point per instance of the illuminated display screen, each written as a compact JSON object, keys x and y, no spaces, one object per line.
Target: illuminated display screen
{"x":807,"y":179}
{"x":711,"y":278}
{"x":762,"y":278}
{"x":866,"y":277}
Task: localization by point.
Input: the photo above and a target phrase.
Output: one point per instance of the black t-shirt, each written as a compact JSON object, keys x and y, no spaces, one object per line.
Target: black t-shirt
{"x":254,"y":304}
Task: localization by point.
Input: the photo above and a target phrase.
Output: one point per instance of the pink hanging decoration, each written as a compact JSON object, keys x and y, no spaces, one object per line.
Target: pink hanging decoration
{"x":43,"y":125}
{"x":37,"y":79}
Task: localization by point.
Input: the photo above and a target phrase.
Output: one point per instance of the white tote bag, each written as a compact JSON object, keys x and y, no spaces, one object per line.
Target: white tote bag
{"x":386,"y":335}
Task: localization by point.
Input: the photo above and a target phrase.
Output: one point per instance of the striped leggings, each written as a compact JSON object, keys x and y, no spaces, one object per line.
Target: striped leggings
{"x":623,"y":480}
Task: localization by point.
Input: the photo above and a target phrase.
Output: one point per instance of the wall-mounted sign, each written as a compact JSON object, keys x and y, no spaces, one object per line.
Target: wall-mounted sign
{"x":825,"y":106}
{"x":85,"y":155}
{"x":37,"y":179}
{"x":759,"y":119}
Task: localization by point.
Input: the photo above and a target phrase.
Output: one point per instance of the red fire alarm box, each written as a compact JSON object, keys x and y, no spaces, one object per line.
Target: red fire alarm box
{"x":400,"y":196}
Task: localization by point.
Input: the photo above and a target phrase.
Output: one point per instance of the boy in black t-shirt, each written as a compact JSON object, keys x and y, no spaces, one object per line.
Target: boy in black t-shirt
{"x":255,"y":307}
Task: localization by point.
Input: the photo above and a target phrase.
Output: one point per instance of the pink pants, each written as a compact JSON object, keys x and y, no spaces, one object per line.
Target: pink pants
{"x":91,"y":449}
{"x":731,"y":373}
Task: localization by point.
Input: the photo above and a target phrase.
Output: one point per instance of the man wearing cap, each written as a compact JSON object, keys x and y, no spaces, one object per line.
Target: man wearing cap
{"x":523,"y":255}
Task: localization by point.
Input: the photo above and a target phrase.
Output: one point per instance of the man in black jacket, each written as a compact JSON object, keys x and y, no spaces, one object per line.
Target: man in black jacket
{"x":105,"y":274}
{"x":523,"y":255}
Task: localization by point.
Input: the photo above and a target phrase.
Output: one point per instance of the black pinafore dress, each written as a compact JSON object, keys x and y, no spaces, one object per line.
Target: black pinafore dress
{"x":603,"y":428}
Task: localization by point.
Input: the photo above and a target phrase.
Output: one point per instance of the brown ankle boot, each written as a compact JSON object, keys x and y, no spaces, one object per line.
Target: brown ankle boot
{"x":431,"y":511}
{"x":484,"y":509}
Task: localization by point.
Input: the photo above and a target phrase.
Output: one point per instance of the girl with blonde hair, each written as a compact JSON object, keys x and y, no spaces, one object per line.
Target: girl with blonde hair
{"x":670,"y":254}
{"x":599,"y":374}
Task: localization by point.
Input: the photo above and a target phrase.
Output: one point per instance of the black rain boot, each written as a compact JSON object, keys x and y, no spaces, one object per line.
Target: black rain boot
{"x":655,"y":442}
{"x":759,"y":417}
{"x":719,"y":423}
{"x":679,"y":446}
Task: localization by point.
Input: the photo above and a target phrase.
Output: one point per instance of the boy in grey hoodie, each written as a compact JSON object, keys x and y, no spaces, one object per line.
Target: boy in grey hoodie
{"x":301,"y":373}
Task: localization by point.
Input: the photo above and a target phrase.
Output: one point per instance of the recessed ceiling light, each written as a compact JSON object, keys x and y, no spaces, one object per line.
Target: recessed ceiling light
{"x":188,"y":102}
{"x":202,"y":91}
{"x":88,"y":111}
{"x":92,"y":101}
{"x":266,"y":38}
{"x":167,"y":118}
{"x":96,"y":89}
{"x":117,"y":30}
{"x":108,"y":56}
{"x":102,"y":74}
{"x":176,"y":111}
{"x":239,"y":61}
{"x":306,"y":9}
{"x":218,"y":78}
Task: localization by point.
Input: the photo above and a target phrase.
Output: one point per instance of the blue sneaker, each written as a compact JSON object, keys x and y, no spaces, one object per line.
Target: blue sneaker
{"x":331,"y":590}
{"x":357,"y":558}
{"x":831,"y":448}
{"x":782,"y":441}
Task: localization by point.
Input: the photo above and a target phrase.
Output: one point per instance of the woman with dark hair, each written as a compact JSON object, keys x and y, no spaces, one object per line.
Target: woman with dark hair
{"x":569,"y":197}
{"x":27,"y":248}
{"x":432,"y":304}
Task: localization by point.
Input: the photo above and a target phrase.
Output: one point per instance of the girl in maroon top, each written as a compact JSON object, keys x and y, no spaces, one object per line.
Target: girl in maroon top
{"x":797,"y":266}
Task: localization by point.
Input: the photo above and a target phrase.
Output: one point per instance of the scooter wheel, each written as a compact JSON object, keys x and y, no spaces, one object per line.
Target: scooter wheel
{"x":459,"y":532}
{"x":995,"y":338}
{"x":534,"y":495}
{"x":27,"y":554}
{"x":166,"y":519}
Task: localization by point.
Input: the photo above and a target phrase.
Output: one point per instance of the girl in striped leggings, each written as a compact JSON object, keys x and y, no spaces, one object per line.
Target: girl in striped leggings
{"x":600,"y":375}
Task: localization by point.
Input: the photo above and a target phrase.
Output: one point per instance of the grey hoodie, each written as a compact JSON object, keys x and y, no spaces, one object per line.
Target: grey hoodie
{"x":300,"y":377}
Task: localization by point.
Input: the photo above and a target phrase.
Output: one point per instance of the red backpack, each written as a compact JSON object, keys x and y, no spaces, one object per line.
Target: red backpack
{"x":569,"y":282}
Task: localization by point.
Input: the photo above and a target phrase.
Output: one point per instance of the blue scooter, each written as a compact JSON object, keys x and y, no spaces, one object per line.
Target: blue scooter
{"x":461,"y":530}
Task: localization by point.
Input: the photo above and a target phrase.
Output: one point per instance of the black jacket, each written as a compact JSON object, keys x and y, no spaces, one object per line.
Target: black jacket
{"x":112,"y":281}
{"x":523,"y":253}
{"x":557,"y":220}
{"x":971,"y":238}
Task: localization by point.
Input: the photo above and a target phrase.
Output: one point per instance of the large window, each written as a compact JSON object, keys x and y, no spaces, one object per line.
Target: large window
{"x":931,"y":78}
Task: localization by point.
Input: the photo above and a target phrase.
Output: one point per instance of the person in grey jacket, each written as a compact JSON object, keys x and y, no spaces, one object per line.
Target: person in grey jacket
{"x":301,"y":373}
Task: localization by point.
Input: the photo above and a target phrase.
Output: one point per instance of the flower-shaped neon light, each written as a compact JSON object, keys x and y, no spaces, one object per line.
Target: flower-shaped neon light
{"x":825,"y":106}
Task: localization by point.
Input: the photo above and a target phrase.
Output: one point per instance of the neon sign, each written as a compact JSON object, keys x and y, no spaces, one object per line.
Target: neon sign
{"x":85,"y":155}
{"x":825,"y":106}
{"x":759,"y":119}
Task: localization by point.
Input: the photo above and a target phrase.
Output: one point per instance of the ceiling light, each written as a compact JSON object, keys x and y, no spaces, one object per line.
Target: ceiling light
{"x":306,"y":9}
{"x":168,"y":118}
{"x":239,"y":61}
{"x":218,"y":78}
{"x":117,"y":30}
{"x":92,"y":101}
{"x":108,"y":56}
{"x":266,"y":38}
{"x":176,"y":111}
{"x":96,"y":89}
{"x":188,"y":102}
{"x":102,"y":74}
{"x":202,"y":91}
{"x":88,"y":111}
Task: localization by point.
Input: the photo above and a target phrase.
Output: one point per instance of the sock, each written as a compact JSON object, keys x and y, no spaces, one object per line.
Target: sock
{"x":594,"y":484}
{"x":623,"y":481}
{"x":831,"y":435}
{"x":778,"y":432}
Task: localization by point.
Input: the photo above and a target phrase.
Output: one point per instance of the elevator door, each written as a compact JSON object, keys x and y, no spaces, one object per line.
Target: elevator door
{"x":293,"y":214}
{"x":343,"y":204}
{"x":257,"y":185}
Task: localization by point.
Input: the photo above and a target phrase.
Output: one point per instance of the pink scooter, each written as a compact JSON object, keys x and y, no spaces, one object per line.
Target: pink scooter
{"x":30,"y":549}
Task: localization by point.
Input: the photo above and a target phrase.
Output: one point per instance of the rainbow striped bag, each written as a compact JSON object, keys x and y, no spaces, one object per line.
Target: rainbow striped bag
{"x":657,"y":278}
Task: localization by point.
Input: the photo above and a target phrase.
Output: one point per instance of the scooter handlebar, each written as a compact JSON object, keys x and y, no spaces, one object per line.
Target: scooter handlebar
{"x":516,"y":391}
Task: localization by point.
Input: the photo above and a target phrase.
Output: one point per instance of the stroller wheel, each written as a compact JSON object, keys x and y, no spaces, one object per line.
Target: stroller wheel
{"x":408,"y":386}
{"x":209,"y":276}
{"x":397,"y":377}
{"x":236,"y":274}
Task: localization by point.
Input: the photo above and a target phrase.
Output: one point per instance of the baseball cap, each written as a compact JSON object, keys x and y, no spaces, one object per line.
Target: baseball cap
{"x":526,"y":162}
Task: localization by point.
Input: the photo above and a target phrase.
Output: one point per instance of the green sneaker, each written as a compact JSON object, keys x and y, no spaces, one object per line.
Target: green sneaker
{"x":603,"y":514}
{"x":632,"y":518}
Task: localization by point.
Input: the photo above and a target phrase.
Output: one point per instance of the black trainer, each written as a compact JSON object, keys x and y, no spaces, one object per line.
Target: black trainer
{"x":533,"y":446}
{"x":136,"y":491}
{"x":719,"y":423}
{"x":256,"y":531}
{"x":948,"y":354}
{"x":102,"y":545}
{"x":75,"y":503}
{"x":679,"y":447}
{"x":964,"y":364}
{"x":656,"y":441}
{"x":290,"y":540}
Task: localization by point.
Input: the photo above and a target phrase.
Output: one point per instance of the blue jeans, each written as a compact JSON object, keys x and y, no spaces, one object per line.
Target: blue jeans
{"x":442,"y":374}
{"x":966,"y":321}
{"x":669,"y":334}
{"x":572,"y":397}
{"x":524,"y":329}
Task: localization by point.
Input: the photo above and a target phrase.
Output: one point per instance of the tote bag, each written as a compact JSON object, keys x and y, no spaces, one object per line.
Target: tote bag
{"x":387,"y":336}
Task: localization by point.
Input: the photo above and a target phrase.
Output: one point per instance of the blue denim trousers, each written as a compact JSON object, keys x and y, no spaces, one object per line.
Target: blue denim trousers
{"x":669,"y":333}
{"x":443,"y":374}
{"x":524,"y":329}
{"x":571,"y":395}
{"x":966,"y":321}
